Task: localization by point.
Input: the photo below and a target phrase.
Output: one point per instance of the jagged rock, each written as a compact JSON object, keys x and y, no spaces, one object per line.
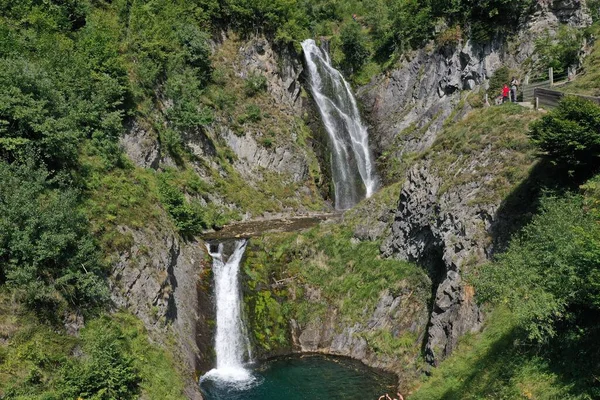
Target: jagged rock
{"x":281,"y":68}
{"x":157,"y":280}
{"x":446,"y":234}
{"x":141,"y":146}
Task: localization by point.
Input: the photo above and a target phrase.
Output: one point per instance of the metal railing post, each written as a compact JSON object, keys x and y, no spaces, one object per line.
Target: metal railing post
{"x":551,"y":75}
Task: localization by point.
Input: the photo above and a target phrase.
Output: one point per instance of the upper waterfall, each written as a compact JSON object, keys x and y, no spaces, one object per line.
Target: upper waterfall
{"x":352,"y":162}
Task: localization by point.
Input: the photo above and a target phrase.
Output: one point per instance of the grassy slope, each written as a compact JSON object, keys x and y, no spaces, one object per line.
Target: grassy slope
{"x":494,"y":364}
{"x":33,"y":355}
{"x":500,"y":362}
{"x":588,"y":82}
{"x":489,"y":146}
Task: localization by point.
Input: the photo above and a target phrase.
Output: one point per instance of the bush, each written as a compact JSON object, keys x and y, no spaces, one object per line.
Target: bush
{"x":570,"y":134}
{"x":255,"y":84}
{"x":560,"y":51}
{"x":354,"y":46}
{"x":253,"y":114}
{"x":46,"y":251}
{"x":188,"y":218}
{"x":106,"y":372}
{"x":550,"y":270}
{"x":498,"y":80}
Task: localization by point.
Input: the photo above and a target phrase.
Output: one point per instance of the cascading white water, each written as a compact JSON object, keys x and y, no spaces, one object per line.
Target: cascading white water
{"x":352,"y":162}
{"x":231,"y":342}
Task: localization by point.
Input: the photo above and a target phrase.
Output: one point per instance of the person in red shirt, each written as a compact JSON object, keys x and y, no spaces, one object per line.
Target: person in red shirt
{"x":505,"y":93}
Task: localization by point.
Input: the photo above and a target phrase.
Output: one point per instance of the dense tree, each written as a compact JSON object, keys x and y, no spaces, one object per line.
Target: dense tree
{"x":46,"y":252}
{"x":570,"y":134}
{"x":551,"y":271}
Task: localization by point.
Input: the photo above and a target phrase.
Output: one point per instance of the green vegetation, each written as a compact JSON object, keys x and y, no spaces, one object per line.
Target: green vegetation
{"x":498,"y":80}
{"x":498,"y":132}
{"x":560,"y":51}
{"x":570,"y":134}
{"x":498,"y":364}
{"x":111,"y":359}
{"x":46,"y":252}
{"x":587,"y":81}
{"x":255,"y":84}
{"x":353,"y":46}
{"x":307,"y":276}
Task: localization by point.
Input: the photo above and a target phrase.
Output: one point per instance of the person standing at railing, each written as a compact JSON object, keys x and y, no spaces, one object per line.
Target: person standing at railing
{"x":505,"y":93}
{"x":514,"y":83}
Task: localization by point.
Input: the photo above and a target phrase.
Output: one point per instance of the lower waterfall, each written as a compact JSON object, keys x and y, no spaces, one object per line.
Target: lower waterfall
{"x":232,"y":346}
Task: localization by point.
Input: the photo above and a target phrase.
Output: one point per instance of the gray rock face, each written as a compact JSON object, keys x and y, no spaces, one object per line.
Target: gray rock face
{"x":572,"y":12}
{"x":447,"y":235}
{"x":330,"y":334}
{"x":281,"y":69}
{"x":157,"y":280}
{"x":252,"y":155}
{"x":141,"y":146}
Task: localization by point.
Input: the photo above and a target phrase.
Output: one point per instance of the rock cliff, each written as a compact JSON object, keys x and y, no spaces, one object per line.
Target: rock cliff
{"x":445,"y":230}
{"x":158,"y":279}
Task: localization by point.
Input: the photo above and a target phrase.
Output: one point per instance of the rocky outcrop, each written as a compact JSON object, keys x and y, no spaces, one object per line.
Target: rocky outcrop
{"x":280,"y":67}
{"x":281,"y":70}
{"x":252,"y":155}
{"x":395,"y":314}
{"x":141,"y":146}
{"x":446,"y":234}
{"x":407,"y":109}
{"x":157,"y":280}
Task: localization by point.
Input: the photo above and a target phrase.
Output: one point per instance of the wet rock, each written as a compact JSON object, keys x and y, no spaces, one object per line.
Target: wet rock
{"x":331,"y":334}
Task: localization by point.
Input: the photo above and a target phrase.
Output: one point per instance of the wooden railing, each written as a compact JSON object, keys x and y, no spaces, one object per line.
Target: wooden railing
{"x":547,"y":98}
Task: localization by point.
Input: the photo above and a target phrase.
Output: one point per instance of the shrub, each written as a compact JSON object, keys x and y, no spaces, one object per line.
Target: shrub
{"x":560,"y":51}
{"x":450,"y":36}
{"x":46,"y":251}
{"x":188,"y":218}
{"x":501,"y":76}
{"x":252,"y":114}
{"x":106,"y":372}
{"x":570,"y":134}
{"x":255,"y":84}
{"x":354,"y":46}
{"x":550,"y":270}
